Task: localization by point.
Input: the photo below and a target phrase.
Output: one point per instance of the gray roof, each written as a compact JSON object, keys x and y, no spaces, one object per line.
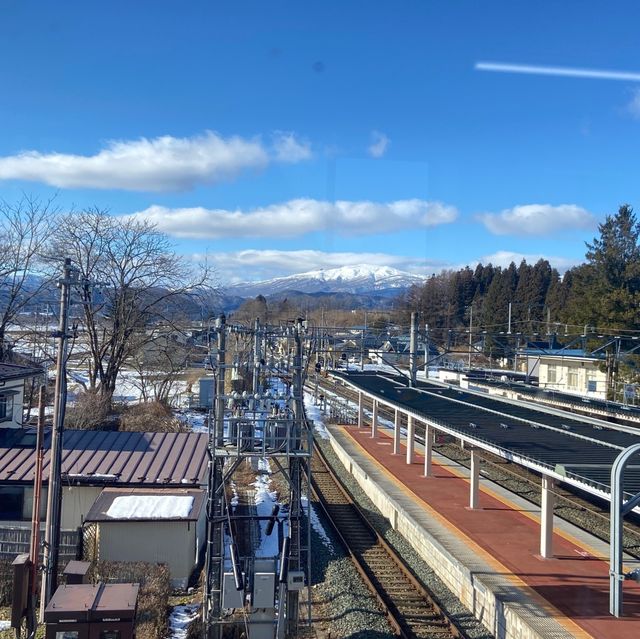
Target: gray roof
{"x":14,"y":371}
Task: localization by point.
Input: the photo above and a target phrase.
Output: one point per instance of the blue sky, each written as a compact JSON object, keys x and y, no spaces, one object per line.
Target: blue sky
{"x":279,"y":137}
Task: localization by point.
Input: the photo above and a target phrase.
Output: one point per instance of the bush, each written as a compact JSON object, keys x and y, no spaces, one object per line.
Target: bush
{"x":89,"y":411}
{"x":6,"y":582}
{"x":153,"y":599}
{"x":150,"y":417}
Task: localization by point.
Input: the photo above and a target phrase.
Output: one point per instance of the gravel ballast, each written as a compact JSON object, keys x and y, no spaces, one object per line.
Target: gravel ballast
{"x":446,"y":599}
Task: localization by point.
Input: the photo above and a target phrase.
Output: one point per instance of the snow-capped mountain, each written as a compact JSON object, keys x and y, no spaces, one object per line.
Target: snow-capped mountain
{"x":362,"y":278}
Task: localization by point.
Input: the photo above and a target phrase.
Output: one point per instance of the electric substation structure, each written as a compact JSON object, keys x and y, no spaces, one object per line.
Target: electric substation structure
{"x":244,"y":587}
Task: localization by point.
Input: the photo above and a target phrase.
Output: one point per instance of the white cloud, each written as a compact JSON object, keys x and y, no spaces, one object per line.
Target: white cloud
{"x":633,"y":106}
{"x":570,"y":72}
{"x":298,"y":217}
{"x":159,"y":164}
{"x":504,"y":258}
{"x":538,"y":219}
{"x":379,"y":145}
{"x":254,"y":264}
{"x":289,"y":149}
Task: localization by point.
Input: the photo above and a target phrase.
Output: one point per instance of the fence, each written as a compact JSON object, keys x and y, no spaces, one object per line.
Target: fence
{"x":15,"y":541}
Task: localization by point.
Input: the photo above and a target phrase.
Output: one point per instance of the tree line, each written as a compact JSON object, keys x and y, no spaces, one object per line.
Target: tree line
{"x":601,"y":294}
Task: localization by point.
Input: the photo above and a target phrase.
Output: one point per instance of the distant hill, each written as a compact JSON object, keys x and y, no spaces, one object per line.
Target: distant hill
{"x":363,"y":279}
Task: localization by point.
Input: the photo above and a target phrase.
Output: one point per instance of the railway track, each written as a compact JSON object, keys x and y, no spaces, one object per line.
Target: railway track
{"x":578,"y":510}
{"x":410,"y":608}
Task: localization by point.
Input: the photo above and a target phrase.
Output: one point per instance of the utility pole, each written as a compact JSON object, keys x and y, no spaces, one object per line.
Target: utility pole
{"x":256,"y":356}
{"x":34,"y":552}
{"x":549,"y":324}
{"x":413,"y":343}
{"x":509,"y":324}
{"x":54,"y":496}
{"x":471,"y":329}
{"x":426,"y":351}
{"x":222,"y":361}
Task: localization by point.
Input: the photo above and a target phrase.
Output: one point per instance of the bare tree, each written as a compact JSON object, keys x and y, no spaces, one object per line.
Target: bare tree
{"x":25,"y":228}
{"x":134,"y":281}
{"x":160,"y":363}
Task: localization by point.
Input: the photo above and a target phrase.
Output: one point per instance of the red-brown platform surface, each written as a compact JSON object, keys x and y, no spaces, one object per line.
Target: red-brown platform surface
{"x":574,"y":582}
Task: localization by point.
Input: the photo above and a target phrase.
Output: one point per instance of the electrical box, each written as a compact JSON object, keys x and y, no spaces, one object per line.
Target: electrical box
{"x":21,"y":571}
{"x":231,"y":598}
{"x":264,"y":590}
{"x":207,"y":392}
{"x":295,"y":580}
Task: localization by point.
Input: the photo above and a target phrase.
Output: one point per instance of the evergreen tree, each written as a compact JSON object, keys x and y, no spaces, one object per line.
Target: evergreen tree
{"x":611,"y":284}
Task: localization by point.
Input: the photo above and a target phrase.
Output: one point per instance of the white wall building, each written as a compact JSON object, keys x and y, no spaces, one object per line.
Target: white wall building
{"x":569,"y":371}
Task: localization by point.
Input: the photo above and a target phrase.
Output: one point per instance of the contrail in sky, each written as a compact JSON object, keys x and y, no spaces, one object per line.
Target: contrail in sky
{"x":568,"y":72}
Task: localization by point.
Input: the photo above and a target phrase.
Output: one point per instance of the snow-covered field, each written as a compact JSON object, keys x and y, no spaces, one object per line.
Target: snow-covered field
{"x":196,"y":420}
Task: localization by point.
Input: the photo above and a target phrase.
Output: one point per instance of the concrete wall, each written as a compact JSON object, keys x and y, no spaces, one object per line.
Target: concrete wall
{"x":166,"y":542}
{"x":501,"y":619}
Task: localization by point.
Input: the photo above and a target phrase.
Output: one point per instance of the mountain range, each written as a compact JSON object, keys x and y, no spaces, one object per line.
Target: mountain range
{"x":359,"y":279}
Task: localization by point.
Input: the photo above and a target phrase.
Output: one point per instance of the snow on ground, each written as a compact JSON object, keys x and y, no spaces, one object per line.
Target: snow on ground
{"x":313,"y":412}
{"x":77,"y":376}
{"x":235,"y":500}
{"x":317,"y":525}
{"x":180,"y":618}
{"x":196,"y":420}
{"x":128,"y":385}
{"x":264,"y":500}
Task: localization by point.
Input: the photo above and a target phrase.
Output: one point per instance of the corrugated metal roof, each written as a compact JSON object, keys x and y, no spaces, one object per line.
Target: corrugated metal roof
{"x":109,"y":458}
{"x":14,"y":371}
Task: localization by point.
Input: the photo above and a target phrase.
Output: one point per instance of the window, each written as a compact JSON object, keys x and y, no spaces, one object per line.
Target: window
{"x":592,"y":385}
{"x":572,"y":379}
{"x":551,"y":374}
{"x":67,"y":634}
{"x":11,"y":502}
{"x":109,"y":634}
{"x":6,"y":408}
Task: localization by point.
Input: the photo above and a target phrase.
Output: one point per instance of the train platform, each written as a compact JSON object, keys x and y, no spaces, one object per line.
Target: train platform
{"x":561,"y":597}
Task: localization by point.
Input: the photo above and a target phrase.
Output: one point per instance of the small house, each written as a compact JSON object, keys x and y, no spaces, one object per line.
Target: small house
{"x":568,"y":370}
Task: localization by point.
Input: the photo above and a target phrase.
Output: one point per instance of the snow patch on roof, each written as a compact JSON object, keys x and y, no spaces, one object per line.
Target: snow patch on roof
{"x":150,"y":507}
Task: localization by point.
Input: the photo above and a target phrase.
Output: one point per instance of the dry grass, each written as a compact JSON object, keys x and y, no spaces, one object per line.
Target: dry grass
{"x":150,"y":417}
{"x":89,"y":411}
{"x":6,"y":582}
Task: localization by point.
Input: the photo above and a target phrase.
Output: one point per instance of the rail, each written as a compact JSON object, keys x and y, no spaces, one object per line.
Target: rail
{"x":411,"y":610}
